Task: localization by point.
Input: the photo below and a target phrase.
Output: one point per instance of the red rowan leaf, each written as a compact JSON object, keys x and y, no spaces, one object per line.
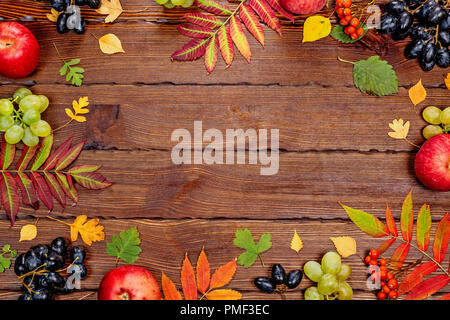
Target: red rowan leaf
{"x":169,"y":290}
{"x":441,"y":239}
{"x":212,"y":50}
{"x":266,"y":13}
{"x":407,"y":218}
{"x":204,"y":20}
{"x":194,"y":31}
{"x":188,"y":283}
{"x":27,"y":190}
{"x":276,"y":5}
{"x":226,"y":44}
{"x":7,"y":154}
{"x":423,"y":226}
{"x":390,"y":222}
{"x":415,"y":277}
{"x":10,"y":196}
{"x":251,"y":22}
{"x":192,"y":50}
{"x":428,"y":287}
{"x":400,"y":254}
{"x":386,"y":245}
{"x":239,"y":38}
{"x":223,"y":275}
{"x":214,"y":7}
{"x":203,"y":272}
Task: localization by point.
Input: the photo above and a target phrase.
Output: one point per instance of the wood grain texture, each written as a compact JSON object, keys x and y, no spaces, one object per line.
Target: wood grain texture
{"x":165,"y":243}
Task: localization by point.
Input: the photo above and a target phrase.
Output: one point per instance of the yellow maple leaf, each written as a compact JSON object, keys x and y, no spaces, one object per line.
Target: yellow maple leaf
{"x":53,"y":15}
{"x":28,"y":232}
{"x":315,"y":28}
{"x":417,"y":93}
{"x":400,"y":129}
{"x":112,"y":8}
{"x":110,"y":44}
{"x":345,"y":246}
{"x":447,"y":81}
{"x":296,"y":242}
{"x":89,"y":230}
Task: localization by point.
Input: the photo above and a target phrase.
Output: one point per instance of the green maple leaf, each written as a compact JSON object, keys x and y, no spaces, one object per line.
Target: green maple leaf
{"x":125,"y":246}
{"x":5,"y":262}
{"x":244,"y":240}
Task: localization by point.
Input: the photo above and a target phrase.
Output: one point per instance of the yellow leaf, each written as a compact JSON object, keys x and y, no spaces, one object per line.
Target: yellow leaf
{"x":346,"y":246}
{"x":315,"y":28}
{"x":90,"y":231}
{"x":112,"y":8}
{"x":400,"y":129}
{"x":447,"y":81}
{"x":296,"y":242}
{"x":110,"y":44}
{"x":417,"y":93}
{"x":223,"y":294}
{"x":80,"y":106}
{"x":53,"y":16}
{"x":28,"y":232}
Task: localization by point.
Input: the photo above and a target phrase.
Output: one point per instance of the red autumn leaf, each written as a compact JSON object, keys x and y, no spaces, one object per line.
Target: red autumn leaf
{"x":223,"y":275}
{"x":407,"y":218}
{"x":415,"y":277}
{"x":27,"y":190}
{"x":192,"y":50}
{"x":188,"y":282}
{"x":423,"y":226}
{"x":428,"y":287}
{"x":276,"y":5}
{"x":27,"y":154}
{"x":223,"y":294}
{"x":211,"y":53}
{"x":194,"y":31}
{"x":441,"y":239}
{"x":57,"y":154}
{"x":10,"y":196}
{"x":42,"y":190}
{"x":204,"y":20}
{"x":43,"y":153}
{"x":169,"y":290}
{"x":226,"y":44}
{"x":66,"y":184}
{"x":266,"y":13}
{"x":55,"y":189}
{"x":400,"y":254}
{"x":213,"y":7}
{"x":69,"y":156}
{"x":203,"y":272}
{"x":251,"y":22}
{"x":386,"y":245}
{"x":7,"y":154}
{"x":390,"y":222}
{"x":239,"y":38}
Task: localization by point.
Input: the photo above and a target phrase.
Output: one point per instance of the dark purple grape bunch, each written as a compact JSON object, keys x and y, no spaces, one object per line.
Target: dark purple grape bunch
{"x":42,"y":271}
{"x":427,"y":23}
{"x":279,"y":282}
{"x":70,"y":17}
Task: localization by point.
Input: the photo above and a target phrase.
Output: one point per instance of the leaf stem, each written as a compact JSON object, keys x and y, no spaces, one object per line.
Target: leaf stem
{"x":412,"y":143}
{"x":260,"y":259}
{"x":63,"y":126}
{"x":346,"y":61}
{"x":51,"y":218}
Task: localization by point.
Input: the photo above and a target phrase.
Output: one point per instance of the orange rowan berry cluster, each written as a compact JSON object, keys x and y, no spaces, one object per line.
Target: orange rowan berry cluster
{"x":388,"y":284}
{"x":351,"y":24}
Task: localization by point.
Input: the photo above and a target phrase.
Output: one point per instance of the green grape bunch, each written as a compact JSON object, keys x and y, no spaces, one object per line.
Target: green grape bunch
{"x":24,"y":123}
{"x":439,"y":121}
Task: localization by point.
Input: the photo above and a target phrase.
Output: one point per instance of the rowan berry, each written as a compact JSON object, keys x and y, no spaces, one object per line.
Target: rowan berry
{"x":384,"y":268}
{"x":390,"y":276}
{"x":340,"y":3}
{"x":385,"y":288}
{"x":383,"y":275}
{"x":382,"y":262}
{"x":360,"y":32}
{"x":354,"y":36}
{"x":381,"y":295}
{"x":340,"y":12}
{"x":393,"y":295}
{"x":392,"y":284}
{"x":350,"y":30}
{"x":347,"y":11}
{"x":355,"y":22}
{"x":367,"y":259}
{"x":371,"y":262}
{"x":343,"y":22}
{"x":347,"y":3}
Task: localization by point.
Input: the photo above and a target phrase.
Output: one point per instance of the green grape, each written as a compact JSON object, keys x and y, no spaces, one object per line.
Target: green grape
{"x":20,"y":93}
{"x":29,"y":139}
{"x":178,"y":2}
{"x":6,"y":122}
{"x":431,"y":130}
{"x":344,"y":291}
{"x":6,"y":107}
{"x":30,"y":102}
{"x":44,"y":103}
{"x":345,"y":272}
{"x":41,"y":128}
{"x":14,"y":134}
{"x":445,"y":116}
{"x":313,"y":270}
{"x":161,"y":1}
{"x":169,"y":5}
{"x":432,"y":115}
{"x":331,"y":262}
{"x":188,"y":3}
{"x":328,"y":284}
{"x":313,"y":294}
{"x":31,"y":116}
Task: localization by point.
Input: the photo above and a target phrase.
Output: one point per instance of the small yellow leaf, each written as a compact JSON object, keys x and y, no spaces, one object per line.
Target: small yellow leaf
{"x":28,"y":232}
{"x":400,"y":129}
{"x":447,"y":81}
{"x":112,"y":8}
{"x":110,"y":44}
{"x":90,"y":231}
{"x":417,"y":93}
{"x":53,"y":16}
{"x":315,"y":28}
{"x":296,"y":242}
{"x":346,"y":246}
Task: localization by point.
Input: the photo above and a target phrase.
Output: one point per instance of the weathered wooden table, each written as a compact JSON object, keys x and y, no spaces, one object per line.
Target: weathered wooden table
{"x":333,"y":144}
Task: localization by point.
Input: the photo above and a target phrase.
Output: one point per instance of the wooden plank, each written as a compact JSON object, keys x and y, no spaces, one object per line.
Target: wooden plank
{"x":307,"y":186}
{"x":131,"y":117}
{"x":148,"y":45}
{"x":189,"y":236}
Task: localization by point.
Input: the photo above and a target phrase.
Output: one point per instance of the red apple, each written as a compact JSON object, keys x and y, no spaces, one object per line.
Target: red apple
{"x":303,"y":6}
{"x":19,"y":50}
{"x":129,"y":283}
{"x":432,"y":163}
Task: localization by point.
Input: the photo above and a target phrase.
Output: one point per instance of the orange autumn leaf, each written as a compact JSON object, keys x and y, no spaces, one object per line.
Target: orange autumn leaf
{"x":203,"y":272}
{"x":188,"y":282}
{"x":390,"y":222}
{"x":169,"y":290}
{"x":428,"y":287}
{"x":417,"y":93}
{"x":223,"y":294}
{"x":223,"y":275}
